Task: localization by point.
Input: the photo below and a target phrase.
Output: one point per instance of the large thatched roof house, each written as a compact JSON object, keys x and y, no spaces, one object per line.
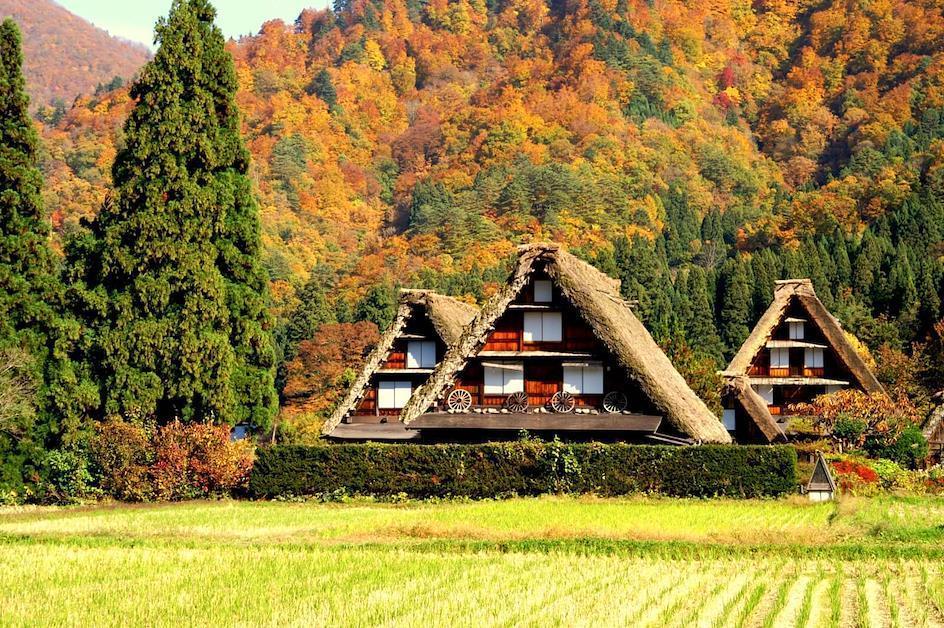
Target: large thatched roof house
{"x":425,"y":326}
{"x":797,"y":351}
{"x":558,"y":350}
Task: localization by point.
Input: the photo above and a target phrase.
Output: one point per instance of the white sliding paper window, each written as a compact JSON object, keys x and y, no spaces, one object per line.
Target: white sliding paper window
{"x":583,"y":379}
{"x":393,"y":394}
{"x":543,"y":327}
{"x":779,"y":358}
{"x":503,"y":378}
{"x":766,"y":392}
{"x":420,"y":354}
{"x":797,"y":331}
{"x":543,"y":291}
{"x":813,"y":358}
{"x":729,"y":419}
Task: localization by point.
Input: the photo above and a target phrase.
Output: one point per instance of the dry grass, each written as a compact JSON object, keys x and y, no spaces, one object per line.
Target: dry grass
{"x":557,"y":561}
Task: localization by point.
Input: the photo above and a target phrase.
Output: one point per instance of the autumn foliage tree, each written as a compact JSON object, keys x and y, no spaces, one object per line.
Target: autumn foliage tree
{"x":315,"y":375}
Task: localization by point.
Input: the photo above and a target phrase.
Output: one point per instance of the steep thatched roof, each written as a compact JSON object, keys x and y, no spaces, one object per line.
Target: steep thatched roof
{"x":596,"y":298}
{"x":935,"y":418}
{"x":755,"y":407}
{"x":801,"y":290}
{"x":449,"y":318}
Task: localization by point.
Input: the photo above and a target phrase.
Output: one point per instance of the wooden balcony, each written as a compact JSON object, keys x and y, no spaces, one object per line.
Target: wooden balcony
{"x":793,"y":371}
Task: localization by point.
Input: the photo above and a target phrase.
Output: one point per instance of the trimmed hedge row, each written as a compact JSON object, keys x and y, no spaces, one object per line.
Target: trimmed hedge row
{"x":524,"y":468}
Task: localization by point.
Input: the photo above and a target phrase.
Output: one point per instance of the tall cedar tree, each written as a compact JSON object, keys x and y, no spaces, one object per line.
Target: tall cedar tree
{"x":32,"y":332}
{"x":171,"y":268}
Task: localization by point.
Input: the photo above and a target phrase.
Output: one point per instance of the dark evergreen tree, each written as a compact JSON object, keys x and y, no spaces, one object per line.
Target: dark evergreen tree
{"x":701,"y":331}
{"x":815,"y":272}
{"x":839,"y":252}
{"x":170,"y":272}
{"x":794,"y":265}
{"x":378,"y":306}
{"x":711,"y":228}
{"x":929,"y":302}
{"x":868,"y":266}
{"x":735,"y":305}
{"x":682,"y":227}
{"x":765,"y":268}
{"x":35,"y":338}
{"x":322,"y":87}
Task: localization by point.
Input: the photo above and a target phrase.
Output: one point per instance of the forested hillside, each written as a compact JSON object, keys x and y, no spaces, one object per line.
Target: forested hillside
{"x":698,"y":151}
{"x":65,"y":56}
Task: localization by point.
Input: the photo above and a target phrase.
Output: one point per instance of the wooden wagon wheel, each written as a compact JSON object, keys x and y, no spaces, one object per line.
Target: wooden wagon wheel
{"x":563,"y":402}
{"x":615,"y":401}
{"x":459,"y":400}
{"x":517,"y":402}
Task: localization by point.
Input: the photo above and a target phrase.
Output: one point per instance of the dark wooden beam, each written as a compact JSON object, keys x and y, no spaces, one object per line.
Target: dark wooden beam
{"x":604,"y":422}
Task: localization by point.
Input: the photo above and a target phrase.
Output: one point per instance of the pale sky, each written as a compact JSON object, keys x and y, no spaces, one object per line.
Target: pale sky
{"x":134,"y":19}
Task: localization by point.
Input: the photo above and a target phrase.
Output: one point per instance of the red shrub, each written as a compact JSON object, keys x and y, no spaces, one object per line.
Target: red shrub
{"x":198,"y":459}
{"x":851,"y":468}
{"x":177,"y":461}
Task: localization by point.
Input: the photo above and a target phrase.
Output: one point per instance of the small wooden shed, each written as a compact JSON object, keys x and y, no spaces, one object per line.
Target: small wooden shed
{"x":822,"y":486}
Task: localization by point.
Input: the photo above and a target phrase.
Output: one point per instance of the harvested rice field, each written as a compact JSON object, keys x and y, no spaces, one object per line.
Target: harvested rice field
{"x":545,"y":561}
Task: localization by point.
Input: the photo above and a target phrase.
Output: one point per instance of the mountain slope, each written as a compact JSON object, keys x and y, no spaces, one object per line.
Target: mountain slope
{"x":412,"y":142}
{"x":65,"y":56}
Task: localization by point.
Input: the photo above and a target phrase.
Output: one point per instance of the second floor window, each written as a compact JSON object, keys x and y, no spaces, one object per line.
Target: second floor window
{"x":797,"y":332}
{"x":779,"y":358}
{"x":420,"y":354}
{"x":542,"y":327}
{"x":813,"y":358}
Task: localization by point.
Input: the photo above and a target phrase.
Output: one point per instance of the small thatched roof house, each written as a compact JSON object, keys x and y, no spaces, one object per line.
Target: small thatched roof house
{"x":797,"y":351}
{"x":558,"y":349}
{"x":761,"y":426}
{"x":425,"y":326}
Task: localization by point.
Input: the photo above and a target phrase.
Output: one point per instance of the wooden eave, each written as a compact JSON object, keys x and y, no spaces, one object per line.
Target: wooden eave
{"x":394,"y":431}
{"x":797,"y":381}
{"x":603,"y":422}
{"x":794,"y":344}
{"x":578,"y":355}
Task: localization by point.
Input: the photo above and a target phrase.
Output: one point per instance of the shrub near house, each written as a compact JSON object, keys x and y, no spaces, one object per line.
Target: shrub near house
{"x":174,"y":461}
{"x":524,"y":468}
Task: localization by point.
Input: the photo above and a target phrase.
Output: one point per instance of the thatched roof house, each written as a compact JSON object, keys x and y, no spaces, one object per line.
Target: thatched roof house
{"x":761,"y":426}
{"x":418,"y":310}
{"x":796,"y":351}
{"x":594,"y":299}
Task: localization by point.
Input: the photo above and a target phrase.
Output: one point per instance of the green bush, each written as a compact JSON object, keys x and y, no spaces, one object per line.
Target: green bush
{"x":909,"y":448}
{"x":68,"y":478}
{"x":523,"y":468}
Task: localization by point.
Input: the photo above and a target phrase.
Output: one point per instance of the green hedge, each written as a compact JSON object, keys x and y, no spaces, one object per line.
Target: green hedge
{"x":524,"y":468}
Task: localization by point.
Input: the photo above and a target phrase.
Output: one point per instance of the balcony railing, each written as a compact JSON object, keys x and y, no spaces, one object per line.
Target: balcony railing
{"x":792,"y":371}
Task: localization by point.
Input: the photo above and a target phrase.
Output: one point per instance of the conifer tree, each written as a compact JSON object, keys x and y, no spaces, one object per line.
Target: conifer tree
{"x":839,"y":252}
{"x":701,"y":331}
{"x":379,"y":306}
{"x":928,"y":300}
{"x":766,"y":270}
{"x":34,"y":336}
{"x":735,"y":305}
{"x":170,"y":271}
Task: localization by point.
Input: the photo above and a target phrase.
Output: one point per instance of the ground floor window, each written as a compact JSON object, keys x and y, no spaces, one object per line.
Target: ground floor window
{"x":583,"y":379}
{"x":393,"y":395}
{"x":503,"y":378}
